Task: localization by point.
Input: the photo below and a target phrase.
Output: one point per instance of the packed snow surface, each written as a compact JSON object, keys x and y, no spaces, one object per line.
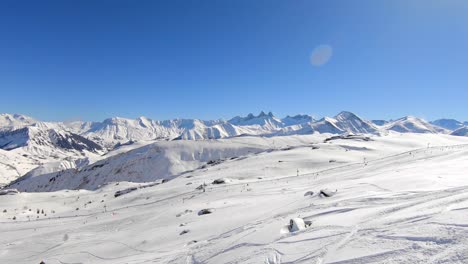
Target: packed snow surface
{"x":401,"y":198}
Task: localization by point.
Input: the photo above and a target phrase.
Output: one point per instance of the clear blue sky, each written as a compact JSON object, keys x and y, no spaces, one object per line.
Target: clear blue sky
{"x":88,"y":60}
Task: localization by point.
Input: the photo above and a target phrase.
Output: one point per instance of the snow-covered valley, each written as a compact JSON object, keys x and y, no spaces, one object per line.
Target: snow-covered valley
{"x":393,"y":198}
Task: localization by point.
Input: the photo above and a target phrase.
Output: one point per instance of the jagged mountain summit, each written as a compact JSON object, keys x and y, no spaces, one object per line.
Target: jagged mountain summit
{"x":268,"y":121}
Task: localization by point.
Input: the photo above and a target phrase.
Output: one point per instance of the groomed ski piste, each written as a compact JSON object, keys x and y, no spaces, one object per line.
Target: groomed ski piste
{"x":397,"y":198}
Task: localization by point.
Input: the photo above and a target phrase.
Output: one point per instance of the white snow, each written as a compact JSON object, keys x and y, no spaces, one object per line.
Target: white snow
{"x":398,"y":201}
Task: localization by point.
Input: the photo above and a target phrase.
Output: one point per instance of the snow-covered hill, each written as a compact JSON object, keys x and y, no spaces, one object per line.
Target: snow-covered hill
{"x":161,"y":160}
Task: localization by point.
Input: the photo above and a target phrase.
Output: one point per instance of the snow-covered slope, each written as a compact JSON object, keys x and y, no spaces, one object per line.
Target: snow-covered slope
{"x":463,"y":131}
{"x":38,"y":149}
{"x":14,"y":165}
{"x":397,"y":201}
{"x":411,"y":124}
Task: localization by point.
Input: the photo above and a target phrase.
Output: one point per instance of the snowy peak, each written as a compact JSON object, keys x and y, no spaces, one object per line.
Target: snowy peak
{"x":411,"y":124}
{"x":346,"y":116}
{"x":15,"y":138}
{"x":13,"y":121}
{"x":352,"y":123}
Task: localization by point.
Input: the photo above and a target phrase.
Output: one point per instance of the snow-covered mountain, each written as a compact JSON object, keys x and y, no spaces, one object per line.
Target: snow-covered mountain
{"x":349,"y":122}
{"x":40,"y":138}
{"x":411,"y":124}
{"x":297,"y":120}
{"x":450,"y":124}
{"x":344,"y":122}
{"x":42,"y":149}
{"x":117,"y":130}
{"x":263,"y":120}
{"x":14,"y":121}
{"x":120,"y":130}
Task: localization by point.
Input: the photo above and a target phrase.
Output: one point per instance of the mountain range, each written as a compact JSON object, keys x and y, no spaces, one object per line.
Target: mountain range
{"x":19,"y":130}
{"x":30,"y":147}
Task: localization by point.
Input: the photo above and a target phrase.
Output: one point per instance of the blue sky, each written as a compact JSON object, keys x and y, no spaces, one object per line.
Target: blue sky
{"x":88,"y":60}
